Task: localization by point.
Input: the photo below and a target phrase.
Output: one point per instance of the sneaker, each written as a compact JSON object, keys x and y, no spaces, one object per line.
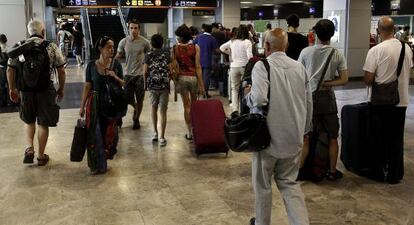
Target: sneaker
{"x":155,"y":137}
{"x":163,"y":142}
{"x":334,"y":176}
{"x":252,"y":221}
{"x":136,"y":125}
{"x":28,"y":155}
{"x":43,"y":161}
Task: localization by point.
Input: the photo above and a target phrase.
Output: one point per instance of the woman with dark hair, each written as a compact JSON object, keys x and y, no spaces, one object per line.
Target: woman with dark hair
{"x":186,"y":61}
{"x":240,"y":51}
{"x":101,"y":117}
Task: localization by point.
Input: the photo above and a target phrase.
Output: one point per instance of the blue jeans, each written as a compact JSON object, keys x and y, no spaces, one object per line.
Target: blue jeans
{"x":206,"y":78}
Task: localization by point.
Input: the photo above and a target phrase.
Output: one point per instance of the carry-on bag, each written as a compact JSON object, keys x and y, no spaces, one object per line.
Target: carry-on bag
{"x":207,"y":120}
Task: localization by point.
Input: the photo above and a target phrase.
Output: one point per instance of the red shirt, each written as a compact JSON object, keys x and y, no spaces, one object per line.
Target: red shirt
{"x":186,"y":58}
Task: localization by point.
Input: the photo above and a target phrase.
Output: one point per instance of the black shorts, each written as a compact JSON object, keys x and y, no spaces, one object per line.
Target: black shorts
{"x":40,"y":106}
{"x":134,"y":89}
{"x":328,"y":122}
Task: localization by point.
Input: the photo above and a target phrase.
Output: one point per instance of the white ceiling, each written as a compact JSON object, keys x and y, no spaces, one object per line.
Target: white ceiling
{"x":269,"y":2}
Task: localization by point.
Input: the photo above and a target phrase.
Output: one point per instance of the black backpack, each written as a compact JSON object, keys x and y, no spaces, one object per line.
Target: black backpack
{"x":246,"y":79}
{"x":34,"y":73}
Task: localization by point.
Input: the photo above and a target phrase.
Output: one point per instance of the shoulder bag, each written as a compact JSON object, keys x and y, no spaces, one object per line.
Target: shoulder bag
{"x":249,"y":132}
{"x":387,"y":94}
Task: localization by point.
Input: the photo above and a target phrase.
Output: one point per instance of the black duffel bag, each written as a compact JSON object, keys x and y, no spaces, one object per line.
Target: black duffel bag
{"x":247,"y":133}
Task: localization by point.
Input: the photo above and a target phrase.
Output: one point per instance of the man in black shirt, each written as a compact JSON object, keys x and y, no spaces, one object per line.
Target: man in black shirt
{"x":297,"y":41}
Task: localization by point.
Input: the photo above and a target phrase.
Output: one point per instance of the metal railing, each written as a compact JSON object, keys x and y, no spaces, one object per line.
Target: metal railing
{"x":121,"y":17}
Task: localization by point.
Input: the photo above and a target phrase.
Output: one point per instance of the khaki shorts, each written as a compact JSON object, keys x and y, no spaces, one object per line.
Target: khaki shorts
{"x":160,"y":98}
{"x":187,"y":84}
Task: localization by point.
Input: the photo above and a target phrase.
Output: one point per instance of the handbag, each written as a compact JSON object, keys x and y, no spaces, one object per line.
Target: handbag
{"x":78,"y":148}
{"x":113,"y":99}
{"x":248,"y":132}
{"x":387,"y":94}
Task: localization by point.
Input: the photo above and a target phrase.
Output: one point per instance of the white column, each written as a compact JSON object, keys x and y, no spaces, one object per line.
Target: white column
{"x":13,"y":20}
{"x":353,"y":19}
{"x":359,"y":14}
{"x":230,"y":13}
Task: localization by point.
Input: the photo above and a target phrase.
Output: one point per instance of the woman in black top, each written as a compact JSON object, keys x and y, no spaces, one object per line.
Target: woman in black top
{"x":102,"y":129}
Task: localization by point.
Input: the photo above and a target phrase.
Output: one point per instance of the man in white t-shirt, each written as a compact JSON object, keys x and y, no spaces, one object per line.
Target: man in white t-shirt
{"x":388,"y":121}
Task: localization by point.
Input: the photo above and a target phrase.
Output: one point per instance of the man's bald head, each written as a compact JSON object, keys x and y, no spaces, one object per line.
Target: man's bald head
{"x":277,"y":40}
{"x":386,"y":25}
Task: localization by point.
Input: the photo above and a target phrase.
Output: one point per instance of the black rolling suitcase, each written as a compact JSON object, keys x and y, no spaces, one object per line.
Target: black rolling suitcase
{"x":355,"y":144}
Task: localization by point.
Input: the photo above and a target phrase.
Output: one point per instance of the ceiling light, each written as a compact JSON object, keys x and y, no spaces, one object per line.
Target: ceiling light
{"x":267,"y":4}
{"x":296,"y":1}
{"x":246,"y":2}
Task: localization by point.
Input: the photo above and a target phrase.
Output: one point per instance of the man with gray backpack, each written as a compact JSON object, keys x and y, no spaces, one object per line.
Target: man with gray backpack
{"x":29,"y":77}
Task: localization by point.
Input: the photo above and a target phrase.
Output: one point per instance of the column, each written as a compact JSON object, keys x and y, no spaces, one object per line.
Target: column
{"x":359,"y":14}
{"x":353,"y":23}
{"x":230,"y":13}
{"x":13,"y":20}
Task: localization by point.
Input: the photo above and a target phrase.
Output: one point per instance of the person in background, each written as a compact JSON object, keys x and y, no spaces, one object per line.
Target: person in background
{"x":186,"y":58}
{"x":133,"y":49}
{"x":240,"y":51}
{"x":102,"y":129}
{"x":64,"y":39}
{"x":268,"y":29}
{"x":208,"y":46}
{"x":398,"y":34}
{"x":78,"y":43}
{"x":157,"y":67}
{"x":3,"y":67}
{"x":194,"y":33}
{"x":405,"y":35}
{"x":253,"y":38}
{"x":297,"y":41}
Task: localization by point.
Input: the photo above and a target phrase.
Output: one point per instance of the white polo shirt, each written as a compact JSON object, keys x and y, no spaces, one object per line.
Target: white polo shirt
{"x":382,"y":60}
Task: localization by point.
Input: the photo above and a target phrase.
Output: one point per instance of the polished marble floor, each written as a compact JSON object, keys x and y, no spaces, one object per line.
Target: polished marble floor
{"x":151,"y":185}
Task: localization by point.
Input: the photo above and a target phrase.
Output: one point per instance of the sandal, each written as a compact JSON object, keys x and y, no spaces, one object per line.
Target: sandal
{"x":43,"y":161}
{"x":334,"y":176}
{"x":28,"y":155}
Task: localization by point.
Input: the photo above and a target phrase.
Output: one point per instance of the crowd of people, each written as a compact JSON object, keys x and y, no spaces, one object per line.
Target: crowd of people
{"x":301,"y":79}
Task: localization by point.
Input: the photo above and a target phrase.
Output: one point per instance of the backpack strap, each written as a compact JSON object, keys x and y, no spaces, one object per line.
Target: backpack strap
{"x":401,"y":59}
{"x":267,"y":66}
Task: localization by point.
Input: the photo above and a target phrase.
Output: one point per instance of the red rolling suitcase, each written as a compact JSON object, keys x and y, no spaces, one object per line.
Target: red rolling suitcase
{"x":207,"y":120}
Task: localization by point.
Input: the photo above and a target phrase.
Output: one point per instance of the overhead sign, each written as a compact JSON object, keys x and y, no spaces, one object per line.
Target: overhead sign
{"x":114,"y":3}
{"x":146,"y":3}
{"x":194,"y":4}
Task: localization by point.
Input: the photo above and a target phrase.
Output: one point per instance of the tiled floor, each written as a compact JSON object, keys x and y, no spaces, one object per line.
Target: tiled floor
{"x":170,"y":186}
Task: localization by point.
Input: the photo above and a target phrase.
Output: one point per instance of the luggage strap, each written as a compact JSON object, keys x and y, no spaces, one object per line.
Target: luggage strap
{"x":265,"y":108}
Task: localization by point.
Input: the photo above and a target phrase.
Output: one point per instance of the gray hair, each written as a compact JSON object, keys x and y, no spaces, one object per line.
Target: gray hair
{"x":35,"y":27}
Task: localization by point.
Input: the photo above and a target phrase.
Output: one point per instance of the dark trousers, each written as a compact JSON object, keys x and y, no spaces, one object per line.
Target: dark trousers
{"x":387,"y":125}
{"x":4,"y":92}
{"x":206,"y":78}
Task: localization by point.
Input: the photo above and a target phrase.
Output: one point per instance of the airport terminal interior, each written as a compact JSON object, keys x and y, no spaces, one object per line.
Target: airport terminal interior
{"x":147,"y":183}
